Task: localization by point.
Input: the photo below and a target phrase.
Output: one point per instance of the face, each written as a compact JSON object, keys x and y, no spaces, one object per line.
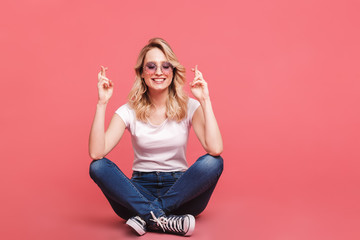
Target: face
{"x":157,"y":73}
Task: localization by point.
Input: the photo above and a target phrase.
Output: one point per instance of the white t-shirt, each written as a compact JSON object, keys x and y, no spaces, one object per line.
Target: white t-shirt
{"x":158,"y":147}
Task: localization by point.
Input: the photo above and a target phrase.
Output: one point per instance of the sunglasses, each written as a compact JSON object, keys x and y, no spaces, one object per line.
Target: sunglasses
{"x":151,"y":68}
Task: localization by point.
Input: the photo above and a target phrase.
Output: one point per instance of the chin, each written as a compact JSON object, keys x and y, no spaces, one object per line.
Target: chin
{"x":156,"y":88}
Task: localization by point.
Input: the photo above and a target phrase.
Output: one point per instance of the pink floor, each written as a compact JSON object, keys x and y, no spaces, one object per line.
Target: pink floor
{"x":76,"y":209}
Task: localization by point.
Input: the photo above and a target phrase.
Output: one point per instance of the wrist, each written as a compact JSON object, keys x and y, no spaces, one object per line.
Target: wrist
{"x":102,"y":104}
{"x":205,"y":100}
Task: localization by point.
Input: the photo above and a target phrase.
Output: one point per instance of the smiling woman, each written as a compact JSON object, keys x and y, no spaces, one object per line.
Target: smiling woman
{"x":172,"y":79}
{"x":164,"y":194}
{"x":162,"y":74}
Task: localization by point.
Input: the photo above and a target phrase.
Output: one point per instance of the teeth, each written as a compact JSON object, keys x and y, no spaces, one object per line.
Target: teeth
{"x":159,"y":80}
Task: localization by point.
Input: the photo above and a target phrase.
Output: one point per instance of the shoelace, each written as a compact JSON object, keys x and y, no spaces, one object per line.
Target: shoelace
{"x":173,"y":223}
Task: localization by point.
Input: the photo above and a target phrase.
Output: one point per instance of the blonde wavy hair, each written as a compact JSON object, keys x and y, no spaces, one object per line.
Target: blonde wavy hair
{"x":139,"y":100}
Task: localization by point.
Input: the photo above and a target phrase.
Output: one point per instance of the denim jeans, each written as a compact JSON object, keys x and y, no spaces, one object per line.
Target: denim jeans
{"x":163,"y":193}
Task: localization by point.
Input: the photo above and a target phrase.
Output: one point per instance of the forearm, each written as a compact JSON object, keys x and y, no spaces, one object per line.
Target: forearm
{"x":97,"y":133}
{"x":213,"y":139}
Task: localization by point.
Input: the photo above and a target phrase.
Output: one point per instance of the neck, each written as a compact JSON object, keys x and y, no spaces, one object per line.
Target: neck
{"x":159,"y":98}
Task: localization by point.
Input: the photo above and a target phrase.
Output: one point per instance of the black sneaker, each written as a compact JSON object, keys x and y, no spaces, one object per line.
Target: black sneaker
{"x":137,"y":224}
{"x":177,"y":224}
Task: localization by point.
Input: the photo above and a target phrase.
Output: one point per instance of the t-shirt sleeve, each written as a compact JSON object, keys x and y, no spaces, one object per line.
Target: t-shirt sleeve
{"x":192,"y":106}
{"x":125,"y":113}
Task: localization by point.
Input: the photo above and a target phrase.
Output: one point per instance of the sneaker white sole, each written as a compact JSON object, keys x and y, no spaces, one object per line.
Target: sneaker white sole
{"x":191,"y":225}
{"x":138,"y":229}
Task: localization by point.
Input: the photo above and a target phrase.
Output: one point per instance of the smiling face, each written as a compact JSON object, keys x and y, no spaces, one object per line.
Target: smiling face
{"x":160,"y":79}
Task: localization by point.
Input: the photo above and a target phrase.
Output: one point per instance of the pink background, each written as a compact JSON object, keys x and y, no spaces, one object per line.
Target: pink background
{"x":284,"y":81}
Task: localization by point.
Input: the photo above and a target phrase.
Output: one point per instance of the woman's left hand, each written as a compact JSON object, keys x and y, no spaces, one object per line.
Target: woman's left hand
{"x":199,"y":86}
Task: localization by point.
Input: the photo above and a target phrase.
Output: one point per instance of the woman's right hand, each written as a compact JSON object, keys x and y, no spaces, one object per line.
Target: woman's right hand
{"x":105,"y":86}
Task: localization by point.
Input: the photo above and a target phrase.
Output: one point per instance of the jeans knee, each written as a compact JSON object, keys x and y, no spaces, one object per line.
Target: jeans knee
{"x":97,"y":167}
{"x":213,"y":163}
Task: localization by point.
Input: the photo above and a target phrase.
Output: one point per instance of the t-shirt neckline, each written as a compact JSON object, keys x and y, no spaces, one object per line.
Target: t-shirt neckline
{"x":155,"y":125}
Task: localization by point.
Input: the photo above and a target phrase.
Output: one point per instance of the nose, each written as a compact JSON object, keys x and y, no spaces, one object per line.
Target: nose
{"x":158,"y":70}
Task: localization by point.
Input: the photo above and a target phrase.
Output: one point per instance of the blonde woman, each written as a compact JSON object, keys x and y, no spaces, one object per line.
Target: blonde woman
{"x":163,"y":194}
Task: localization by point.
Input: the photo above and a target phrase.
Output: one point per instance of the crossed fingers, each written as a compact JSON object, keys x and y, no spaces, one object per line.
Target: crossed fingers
{"x":102,"y":79}
{"x":198,"y":79}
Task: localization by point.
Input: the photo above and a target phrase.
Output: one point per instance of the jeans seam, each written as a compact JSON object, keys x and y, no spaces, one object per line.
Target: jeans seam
{"x":176,"y":182}
{"x":134,"y":187}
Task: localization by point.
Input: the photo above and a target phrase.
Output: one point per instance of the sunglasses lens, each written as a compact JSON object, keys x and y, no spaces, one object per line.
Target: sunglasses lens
{"x":150,"y":68}
{"x":166,"y":68}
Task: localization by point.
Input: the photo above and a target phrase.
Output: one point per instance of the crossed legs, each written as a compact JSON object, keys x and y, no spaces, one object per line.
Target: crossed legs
{"x":190,"y":194}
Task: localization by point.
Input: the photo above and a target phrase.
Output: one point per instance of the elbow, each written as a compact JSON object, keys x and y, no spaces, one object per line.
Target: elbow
{"x":215,"y":149}
{"x":95,"y":156}
{"x":96,"y":153}
{"x":215,"y":152}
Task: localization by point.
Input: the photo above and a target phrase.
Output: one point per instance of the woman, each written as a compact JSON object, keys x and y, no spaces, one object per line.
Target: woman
{"x":163,"y":193}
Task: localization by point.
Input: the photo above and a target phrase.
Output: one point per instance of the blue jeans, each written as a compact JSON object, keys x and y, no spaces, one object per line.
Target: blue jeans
{"x":163,"y":193}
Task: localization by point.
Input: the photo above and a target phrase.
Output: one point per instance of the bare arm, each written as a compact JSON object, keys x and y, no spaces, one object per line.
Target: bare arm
{"x":204,"y":121}
{"x":207,"y":129}
{"x":101,"y":142}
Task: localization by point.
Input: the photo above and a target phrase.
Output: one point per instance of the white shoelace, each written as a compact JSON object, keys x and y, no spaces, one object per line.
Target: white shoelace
{"x":173,"y":224}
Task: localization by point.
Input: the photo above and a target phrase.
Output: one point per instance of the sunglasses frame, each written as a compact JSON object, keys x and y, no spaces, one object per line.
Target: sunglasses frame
{"x":156,"y":67}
